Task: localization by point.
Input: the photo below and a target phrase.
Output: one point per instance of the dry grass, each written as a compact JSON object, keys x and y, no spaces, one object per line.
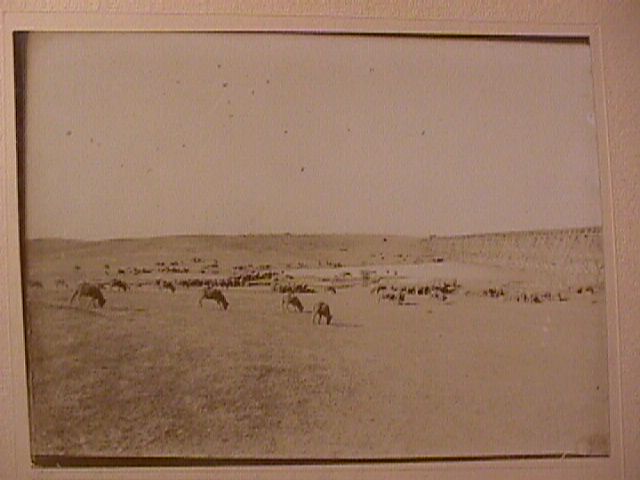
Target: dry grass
{"x":153,"y":374}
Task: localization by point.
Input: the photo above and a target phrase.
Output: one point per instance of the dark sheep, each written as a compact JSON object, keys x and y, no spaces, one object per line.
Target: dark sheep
{"x":321,"y":310}
{"x":90,"y":290}
{"x":214,"y":294}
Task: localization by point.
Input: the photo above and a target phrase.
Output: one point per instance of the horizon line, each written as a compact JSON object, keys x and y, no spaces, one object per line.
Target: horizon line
{"x":314,"y":234}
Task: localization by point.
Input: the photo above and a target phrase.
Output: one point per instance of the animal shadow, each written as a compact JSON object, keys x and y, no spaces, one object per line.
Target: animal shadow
{"x":86,"y":310}
{"x":345,"y":325}
{"x":121,"y":309}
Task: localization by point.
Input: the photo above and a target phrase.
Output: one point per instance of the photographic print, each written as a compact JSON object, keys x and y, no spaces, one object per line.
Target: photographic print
{"x":288,"y":247}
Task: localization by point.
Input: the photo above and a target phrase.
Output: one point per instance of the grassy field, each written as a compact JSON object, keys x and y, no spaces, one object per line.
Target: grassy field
{"x":154,"y":374}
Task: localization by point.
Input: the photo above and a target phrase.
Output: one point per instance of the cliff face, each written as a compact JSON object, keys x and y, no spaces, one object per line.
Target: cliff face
{"x":575,"y":254}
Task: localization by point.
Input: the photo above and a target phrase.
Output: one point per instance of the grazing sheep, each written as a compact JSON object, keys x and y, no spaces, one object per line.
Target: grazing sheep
{"x":493,"y":292}
{"x":321,"y":309}
{"x":386,"y":296}
{"x":89,"y":290}
{"x":587,"y":289}
{"x":61,"y":283}
{"x":119,"y":284}
{"x":439,"y":295}
{"x":35,"y":284}
{"x":303,"y":288}
{"x":398,"y":297}
{"x":290,"y":300}
{"x":214,"y":294}
{"x":166,"y":285}
{"x":377,"y":289}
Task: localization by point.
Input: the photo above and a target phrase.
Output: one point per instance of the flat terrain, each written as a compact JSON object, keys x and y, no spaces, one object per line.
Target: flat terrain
{"x":154,"y":374}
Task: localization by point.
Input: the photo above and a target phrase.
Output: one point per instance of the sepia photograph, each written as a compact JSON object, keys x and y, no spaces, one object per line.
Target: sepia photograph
{"x":284,"y":247}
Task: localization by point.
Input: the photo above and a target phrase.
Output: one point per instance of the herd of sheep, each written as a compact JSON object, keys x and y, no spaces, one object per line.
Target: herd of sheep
{"x":212,"y":288}
{"x":287,"y":286}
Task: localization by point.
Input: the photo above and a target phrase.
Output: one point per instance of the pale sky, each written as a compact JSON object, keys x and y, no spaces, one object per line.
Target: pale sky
{"x":136,"y":135}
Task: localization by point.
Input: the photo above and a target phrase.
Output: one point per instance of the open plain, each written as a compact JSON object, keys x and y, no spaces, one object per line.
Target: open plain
{"x":511,"y":360}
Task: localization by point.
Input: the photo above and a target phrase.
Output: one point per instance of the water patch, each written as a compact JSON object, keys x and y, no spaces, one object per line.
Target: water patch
{"x":414,"y":272}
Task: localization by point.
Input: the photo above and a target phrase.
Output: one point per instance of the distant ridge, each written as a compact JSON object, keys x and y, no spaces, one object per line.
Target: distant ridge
{"x":586,"y":229}
{"x":592,"y":229}
{"x":574,"y":252}
{"x":570,"y":251}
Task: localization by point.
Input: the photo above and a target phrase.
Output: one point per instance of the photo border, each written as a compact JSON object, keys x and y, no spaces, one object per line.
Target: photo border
{"x":12,"y":366}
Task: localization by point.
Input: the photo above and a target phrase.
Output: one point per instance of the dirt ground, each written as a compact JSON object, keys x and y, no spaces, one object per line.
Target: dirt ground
{"x":153,"y":374}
